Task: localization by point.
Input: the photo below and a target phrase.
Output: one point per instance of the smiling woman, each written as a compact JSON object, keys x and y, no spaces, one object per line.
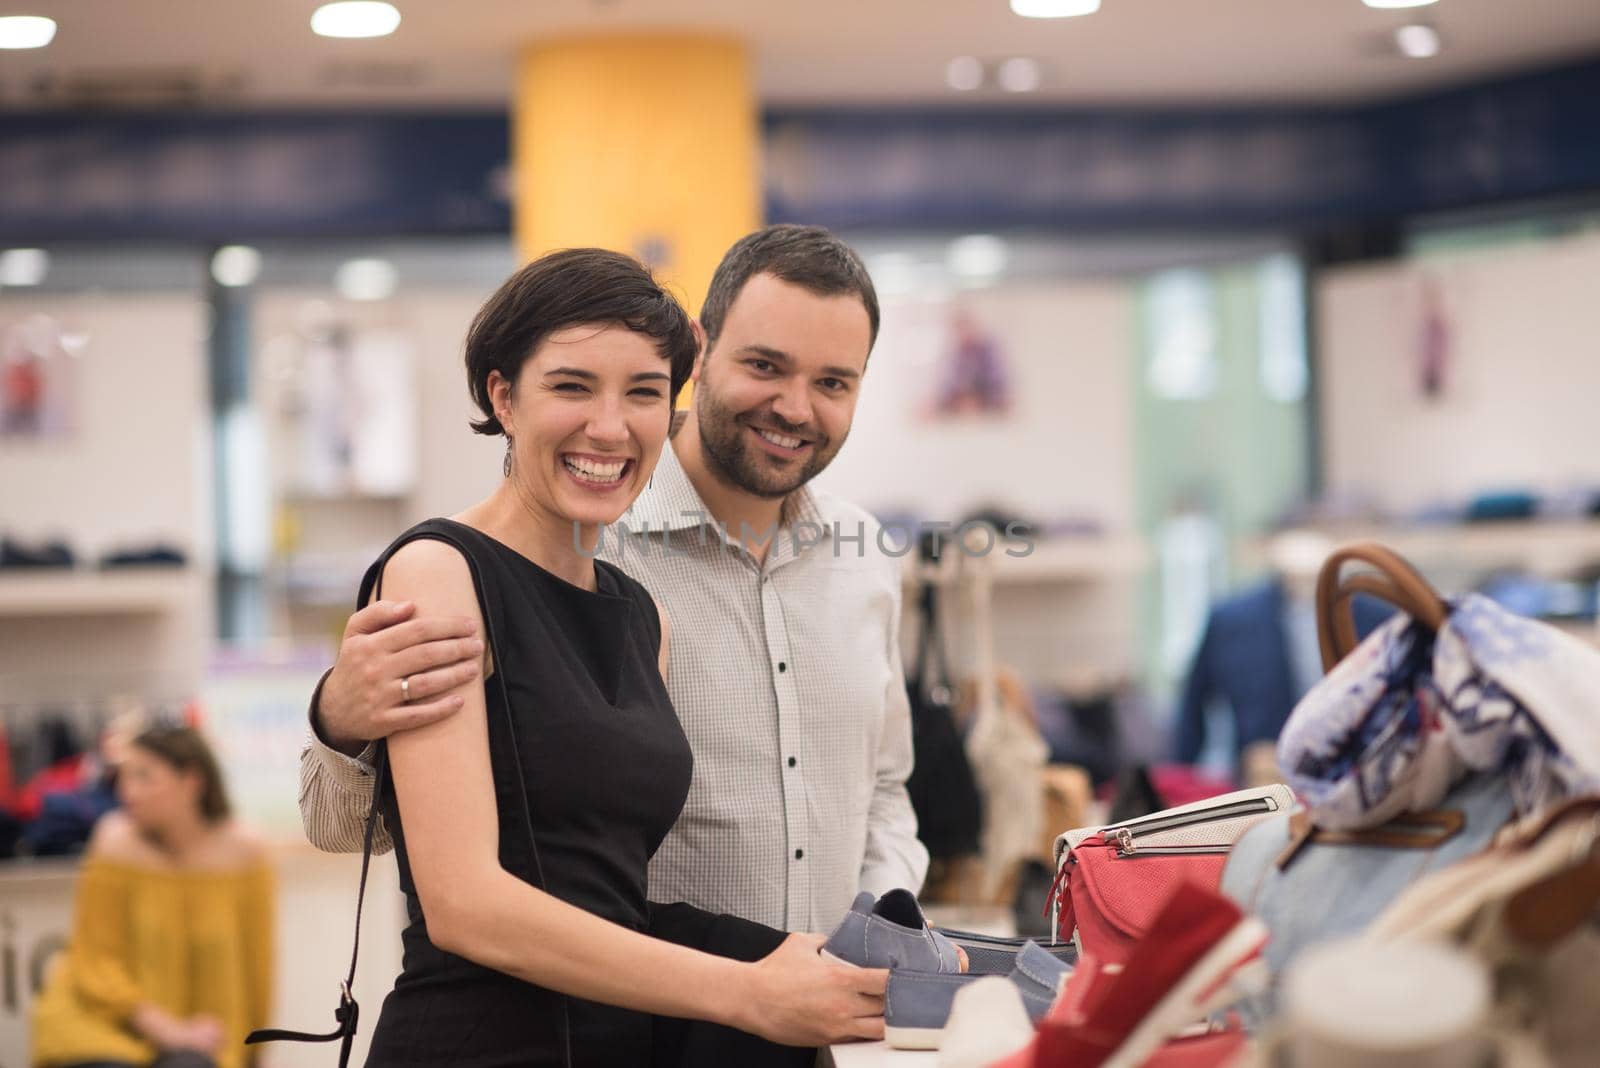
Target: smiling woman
{"x":588,"y":431}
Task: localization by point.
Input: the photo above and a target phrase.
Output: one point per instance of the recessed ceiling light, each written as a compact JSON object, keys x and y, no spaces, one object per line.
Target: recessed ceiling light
{"x":1417,"y":41}
{"x":355,"y":18}
{"x":235,"y":265}
{"x":23,"y":266}
{"x":1018,"y":75}
{"x":964,"y":74}
{"x":1389,"y":5}
{"x":26,"y":31}
{"x":366,"y":279}
{"x":976,"y":256}
{"x":1054,"y":9}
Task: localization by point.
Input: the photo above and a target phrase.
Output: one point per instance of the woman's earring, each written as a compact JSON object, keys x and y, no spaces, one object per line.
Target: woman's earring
{"x":505,"y":468}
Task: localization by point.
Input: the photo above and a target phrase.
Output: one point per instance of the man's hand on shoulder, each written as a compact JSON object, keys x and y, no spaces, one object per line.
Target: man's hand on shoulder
{"x":394,"y":672}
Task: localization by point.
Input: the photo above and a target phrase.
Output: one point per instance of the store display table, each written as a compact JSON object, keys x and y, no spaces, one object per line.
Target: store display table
{"x":875,"y":1055}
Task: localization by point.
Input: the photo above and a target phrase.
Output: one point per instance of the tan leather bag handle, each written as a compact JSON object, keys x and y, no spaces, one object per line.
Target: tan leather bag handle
{"x":1395,"y":581}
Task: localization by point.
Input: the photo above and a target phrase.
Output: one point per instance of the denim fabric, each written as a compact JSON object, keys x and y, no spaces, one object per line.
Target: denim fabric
{"x":1331,"y":890}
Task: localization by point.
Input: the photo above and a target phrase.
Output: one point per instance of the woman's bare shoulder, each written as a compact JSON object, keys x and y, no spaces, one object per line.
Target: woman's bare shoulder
{"x":242,"y":846}
{"x":116,"y":839}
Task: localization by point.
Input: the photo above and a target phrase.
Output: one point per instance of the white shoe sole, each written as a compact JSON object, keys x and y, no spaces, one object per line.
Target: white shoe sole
{"x":913,"y":1037}
{"x":1184,"y":1003}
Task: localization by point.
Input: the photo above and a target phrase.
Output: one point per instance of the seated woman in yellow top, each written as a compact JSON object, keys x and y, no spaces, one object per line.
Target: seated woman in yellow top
{"x":170,"y":960}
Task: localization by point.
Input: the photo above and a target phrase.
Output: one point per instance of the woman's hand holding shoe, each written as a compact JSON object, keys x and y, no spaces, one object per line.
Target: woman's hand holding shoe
{"x":798,"y":997}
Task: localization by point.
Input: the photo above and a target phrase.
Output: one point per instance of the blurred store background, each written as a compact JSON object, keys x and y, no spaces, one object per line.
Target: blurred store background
{"x":1195,"y":290}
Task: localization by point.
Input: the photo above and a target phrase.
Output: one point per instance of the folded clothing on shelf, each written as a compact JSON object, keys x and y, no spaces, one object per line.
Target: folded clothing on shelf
{"x":49,"y":554}
{"x":1496,"y":506}
{"x":145,"y":556}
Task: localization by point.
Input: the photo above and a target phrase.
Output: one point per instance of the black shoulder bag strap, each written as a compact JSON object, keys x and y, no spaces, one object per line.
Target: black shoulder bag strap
{"x":348,"y":1012}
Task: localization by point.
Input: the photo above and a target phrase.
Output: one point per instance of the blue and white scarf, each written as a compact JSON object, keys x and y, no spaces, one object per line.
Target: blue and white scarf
{"x":1408,"y":713}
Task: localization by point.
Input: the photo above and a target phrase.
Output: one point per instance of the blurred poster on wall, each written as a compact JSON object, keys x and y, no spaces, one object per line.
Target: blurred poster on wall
{"x":38,"y":358}
{"x":351,"y":409}
{"x":973,"y":375}
{"x":1433,"y":340}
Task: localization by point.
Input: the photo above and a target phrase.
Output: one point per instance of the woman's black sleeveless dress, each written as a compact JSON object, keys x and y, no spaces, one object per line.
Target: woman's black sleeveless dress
{"x":591,"y":750}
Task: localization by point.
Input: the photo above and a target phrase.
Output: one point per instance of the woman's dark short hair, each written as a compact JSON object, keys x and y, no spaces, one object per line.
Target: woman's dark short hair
{"x":184,"y":749}
{"x":807,"y":256}
{"x":570,"y":288}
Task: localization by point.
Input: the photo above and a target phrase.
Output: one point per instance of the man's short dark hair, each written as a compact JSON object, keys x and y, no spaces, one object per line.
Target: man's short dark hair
{"x":570,"y":288}
{"x":807,"y":256}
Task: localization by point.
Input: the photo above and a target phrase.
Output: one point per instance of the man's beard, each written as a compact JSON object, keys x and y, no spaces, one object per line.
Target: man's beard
{"x":739,"y":463}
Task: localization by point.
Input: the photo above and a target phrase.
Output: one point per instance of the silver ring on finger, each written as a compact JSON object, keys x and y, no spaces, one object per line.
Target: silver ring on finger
{"x":405,"y":690}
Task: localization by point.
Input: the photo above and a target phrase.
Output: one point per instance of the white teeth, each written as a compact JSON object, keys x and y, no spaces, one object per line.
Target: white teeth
{"x":590,"y":471}
{"x":781,"y":440}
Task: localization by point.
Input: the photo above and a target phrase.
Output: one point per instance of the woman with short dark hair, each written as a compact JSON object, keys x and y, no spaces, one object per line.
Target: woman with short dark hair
{"x":524,"y":824}
{"x":170,"y":961}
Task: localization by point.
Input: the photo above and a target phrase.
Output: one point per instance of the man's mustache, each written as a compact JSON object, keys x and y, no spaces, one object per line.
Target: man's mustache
{"x":777,"y":422}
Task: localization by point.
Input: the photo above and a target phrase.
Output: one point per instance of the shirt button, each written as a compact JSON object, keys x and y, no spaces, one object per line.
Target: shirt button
{"x":782,"y":667}
{"x":799,"y":854}
{"x":791,"y":762}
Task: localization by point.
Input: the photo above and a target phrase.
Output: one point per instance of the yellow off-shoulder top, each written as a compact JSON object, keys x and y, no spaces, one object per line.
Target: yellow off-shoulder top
{"x":192,"y":942}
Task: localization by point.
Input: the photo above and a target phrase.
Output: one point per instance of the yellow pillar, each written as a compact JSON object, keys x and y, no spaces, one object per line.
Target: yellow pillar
{"x":643,"y":143}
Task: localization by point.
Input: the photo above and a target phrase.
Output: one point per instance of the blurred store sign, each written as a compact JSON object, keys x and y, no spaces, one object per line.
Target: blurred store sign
{"x":1531,"y":135}
{"x":252,"y":175}
{"x":199,"y":176}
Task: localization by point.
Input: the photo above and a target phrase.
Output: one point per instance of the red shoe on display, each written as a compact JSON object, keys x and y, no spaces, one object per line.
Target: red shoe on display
{"x":1122,"y":1017}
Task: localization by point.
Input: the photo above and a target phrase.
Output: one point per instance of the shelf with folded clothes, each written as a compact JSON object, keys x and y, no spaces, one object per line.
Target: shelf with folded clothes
{"x":127,"y":590}
{"x":1543,"y":546}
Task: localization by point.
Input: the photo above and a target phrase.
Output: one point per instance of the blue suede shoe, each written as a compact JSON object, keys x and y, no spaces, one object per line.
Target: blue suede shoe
{"x":891,"y":933}
{"x":916,"y":1006}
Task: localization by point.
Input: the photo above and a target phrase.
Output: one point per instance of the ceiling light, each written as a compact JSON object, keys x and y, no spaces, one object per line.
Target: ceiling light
{"x":976,"y":256}
{"x":26,"y":31}
{"x":1018,"y":75}
{"x":1054,"y":9}
{"x":964,"y":74}
{"x":366,"y":279}
{"x":1417,"y":41}
{"x":1389,"y":5}
{"x":235,"y":265}
{"x":355,"y":18}
{"x":23,"y":266}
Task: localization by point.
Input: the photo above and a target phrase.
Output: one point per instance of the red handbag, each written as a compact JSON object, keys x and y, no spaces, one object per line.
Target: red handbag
{"x":1111,"y":881}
